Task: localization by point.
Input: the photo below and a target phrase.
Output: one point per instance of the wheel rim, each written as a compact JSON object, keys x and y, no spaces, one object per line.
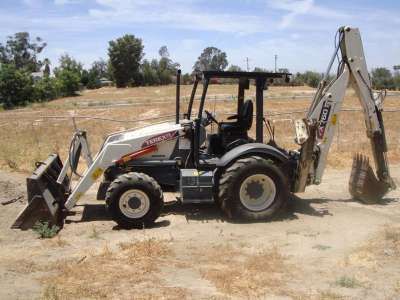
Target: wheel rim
{"x":134,"y":204}
{"x":257,"y":192}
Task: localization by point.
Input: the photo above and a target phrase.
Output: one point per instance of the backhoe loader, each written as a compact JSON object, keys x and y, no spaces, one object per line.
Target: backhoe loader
{"x":249,"y":178}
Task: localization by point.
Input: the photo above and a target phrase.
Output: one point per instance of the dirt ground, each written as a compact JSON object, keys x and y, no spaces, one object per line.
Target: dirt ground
{"x":325,"y":247}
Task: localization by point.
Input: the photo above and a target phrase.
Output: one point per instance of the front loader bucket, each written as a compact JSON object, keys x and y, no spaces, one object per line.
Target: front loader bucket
{"x":363,"y":184}
{"x":46,"y":197}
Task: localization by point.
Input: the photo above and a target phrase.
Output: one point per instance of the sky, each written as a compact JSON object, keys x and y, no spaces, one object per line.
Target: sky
{"x":300,"y":32}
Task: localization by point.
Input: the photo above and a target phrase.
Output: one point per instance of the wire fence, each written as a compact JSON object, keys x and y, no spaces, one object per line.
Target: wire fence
{"x":41,"y":117}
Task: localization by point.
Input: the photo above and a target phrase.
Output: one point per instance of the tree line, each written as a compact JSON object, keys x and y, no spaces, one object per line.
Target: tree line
{"x":24,"y":78}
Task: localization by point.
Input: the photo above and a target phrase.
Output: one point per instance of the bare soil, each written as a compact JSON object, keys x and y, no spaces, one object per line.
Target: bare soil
{"x":326,"y":246}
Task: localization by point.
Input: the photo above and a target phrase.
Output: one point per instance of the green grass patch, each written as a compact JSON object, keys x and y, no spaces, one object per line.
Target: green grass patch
{"x":321,"y":247}
{"x":45,"y":231}
{"x":347,"y":282}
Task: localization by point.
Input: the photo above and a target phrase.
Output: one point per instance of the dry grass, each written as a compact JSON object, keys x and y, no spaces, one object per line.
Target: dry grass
{"x":383,"y":246}
{"x":329,"y":295}
{"x":244,"y":275}
{"x":27,"y":138}
{"x":112,"y":274}
{"x":23,"y":266}
{"x":376,"y":262}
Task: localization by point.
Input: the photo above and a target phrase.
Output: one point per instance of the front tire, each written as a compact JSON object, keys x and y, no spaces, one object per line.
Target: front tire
{"x":252,"y":189}
{"x":134,"y":200}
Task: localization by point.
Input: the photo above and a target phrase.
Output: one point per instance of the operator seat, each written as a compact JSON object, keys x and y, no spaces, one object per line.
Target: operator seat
{"x":232,"y":131}
{"x":232,"y":134}
{"x":242,"y":124}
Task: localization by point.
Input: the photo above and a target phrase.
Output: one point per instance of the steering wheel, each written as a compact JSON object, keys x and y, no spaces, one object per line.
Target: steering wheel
{"x":211,"y":117}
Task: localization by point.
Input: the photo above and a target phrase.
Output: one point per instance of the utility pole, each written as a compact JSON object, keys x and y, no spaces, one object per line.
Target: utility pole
{"x":276,"y":62}
{"x":247,"y":64}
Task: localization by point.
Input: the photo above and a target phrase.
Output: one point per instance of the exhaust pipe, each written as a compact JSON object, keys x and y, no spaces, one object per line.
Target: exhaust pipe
{"x":46,"y":197}
{"x":363,"y":184}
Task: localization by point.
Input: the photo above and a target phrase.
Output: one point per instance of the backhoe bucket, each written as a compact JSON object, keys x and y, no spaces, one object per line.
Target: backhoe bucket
{"x":363,"y":184}
{"x":46,"y":197}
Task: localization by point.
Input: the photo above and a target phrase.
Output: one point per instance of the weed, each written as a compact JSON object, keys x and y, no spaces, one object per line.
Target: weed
{"x":51,"y":293}
{"x":328,"y":295}
{"x":94,"y":234}
{"x":392,"y":234}
{"x":133,"y":264}
{"x":12,"y":164}
{"x":397,"y":287}
{"x":44,"y":230}
{"x":244,"y":275}
{"x":321,"y":247}
{"x":347,"y":282}
{"x":59,"y":242}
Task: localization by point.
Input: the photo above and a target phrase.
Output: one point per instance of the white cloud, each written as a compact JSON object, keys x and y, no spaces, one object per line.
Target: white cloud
{"x":32,"y":2}
{"x":177,"y":14}
{"x":187,"y":26}
{"x":295,"y":8}
{"x":64,"y":2}
{"x":191,"y":44}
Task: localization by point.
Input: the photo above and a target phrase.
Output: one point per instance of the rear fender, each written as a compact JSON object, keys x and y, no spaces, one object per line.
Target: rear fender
{"x":253,"y":149}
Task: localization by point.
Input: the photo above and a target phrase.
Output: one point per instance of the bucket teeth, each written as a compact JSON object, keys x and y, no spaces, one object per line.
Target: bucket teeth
{"x":363,"y":184}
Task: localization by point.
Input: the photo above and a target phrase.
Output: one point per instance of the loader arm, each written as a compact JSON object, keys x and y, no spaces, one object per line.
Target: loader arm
{"x":322,"y":118}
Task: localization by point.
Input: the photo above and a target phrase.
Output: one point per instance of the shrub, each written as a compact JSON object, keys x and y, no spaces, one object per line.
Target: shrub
{"x":46,"y":89}
{"x":93,"y":80}
{"x":68,"y":82}
{"x":382,"y":79}
{"x":16,"y":87}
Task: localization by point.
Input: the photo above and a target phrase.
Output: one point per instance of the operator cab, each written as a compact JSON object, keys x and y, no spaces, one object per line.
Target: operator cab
{"x":235,"y":131}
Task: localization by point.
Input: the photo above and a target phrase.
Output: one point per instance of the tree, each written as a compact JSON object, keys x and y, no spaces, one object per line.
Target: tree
{"x":16,"y":86}
{"x":46,"y":89}
{"x":150,"y":76}
{"x":310,"y":78}
{"x":159,"y":71}
{"x":396,"y":80}
{"x":46,"y":70}
{"x":92,"y":78}
{"x":187,"y":78}
{"x":85,"y":78}
{"x":22,"y":52}
{"x":68,"y":82}
{"x":70,"y":74}
{"x":125,"y":55}
{"x":234,"y":68}
{"x":211,"y":59}
{"x":166,"y":67}
{"x":259,"y":69}
{"x":163,"y":52}
{"x":382,"y":79}
{"x":66,"y":62}
{"x":396,"y":77}
{"x":100,"y":68}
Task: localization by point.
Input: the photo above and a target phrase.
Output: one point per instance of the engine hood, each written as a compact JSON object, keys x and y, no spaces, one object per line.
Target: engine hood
{"x":152,"y":130}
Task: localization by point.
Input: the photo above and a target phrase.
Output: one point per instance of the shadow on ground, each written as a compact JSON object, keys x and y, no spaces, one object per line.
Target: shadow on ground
{"x":211,"y":212}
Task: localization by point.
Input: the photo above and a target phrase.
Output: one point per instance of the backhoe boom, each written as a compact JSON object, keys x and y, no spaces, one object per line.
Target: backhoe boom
{"x":323,"y":115}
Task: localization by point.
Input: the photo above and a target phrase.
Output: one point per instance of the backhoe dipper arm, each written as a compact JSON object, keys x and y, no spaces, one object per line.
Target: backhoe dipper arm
{"x":323,"y":118}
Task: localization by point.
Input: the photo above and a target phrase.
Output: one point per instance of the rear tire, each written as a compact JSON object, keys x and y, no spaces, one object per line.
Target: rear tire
{"x":252,"y":189}
{"x":134,"y":200}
